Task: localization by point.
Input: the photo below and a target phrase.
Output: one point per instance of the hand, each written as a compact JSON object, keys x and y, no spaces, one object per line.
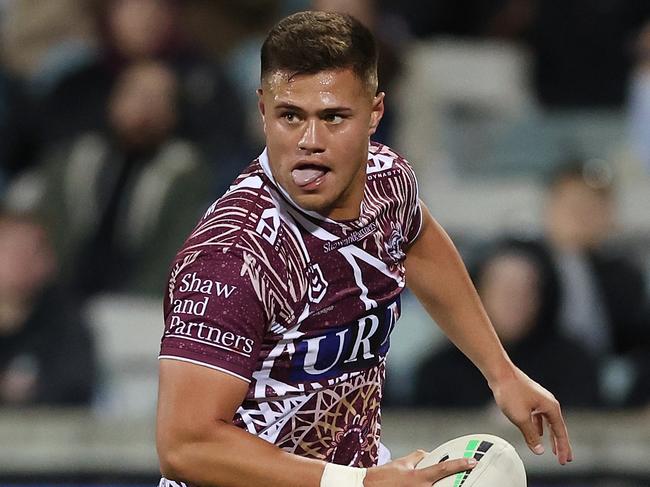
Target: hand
{"x":402,"y":472}
{"x":528,"y":405}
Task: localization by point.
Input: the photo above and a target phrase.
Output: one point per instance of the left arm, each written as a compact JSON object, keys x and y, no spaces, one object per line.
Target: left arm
{"x":437,"y":276}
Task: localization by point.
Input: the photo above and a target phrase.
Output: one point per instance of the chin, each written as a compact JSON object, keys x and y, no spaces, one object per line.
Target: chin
{"x":313,"y":203}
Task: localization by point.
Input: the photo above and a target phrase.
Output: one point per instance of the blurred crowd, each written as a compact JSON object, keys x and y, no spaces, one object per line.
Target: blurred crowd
{"x":121,"y":120}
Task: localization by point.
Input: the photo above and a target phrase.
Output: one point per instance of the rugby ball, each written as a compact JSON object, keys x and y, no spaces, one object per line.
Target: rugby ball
{"x":498,"y":462}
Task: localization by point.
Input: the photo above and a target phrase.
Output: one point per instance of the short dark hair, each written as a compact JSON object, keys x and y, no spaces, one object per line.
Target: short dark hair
{"x":597,"y":174}
{"x":313,"y":41}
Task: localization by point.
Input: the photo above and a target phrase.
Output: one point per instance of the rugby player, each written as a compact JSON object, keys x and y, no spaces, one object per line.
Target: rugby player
{"x":281,"y":302}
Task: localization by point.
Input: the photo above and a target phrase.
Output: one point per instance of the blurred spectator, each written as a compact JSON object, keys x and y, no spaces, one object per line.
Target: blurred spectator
{"x":118,"y":200}
{"x":518,"y":287}
{"x":40,"y":44}
{"x":209,"y":111}
{"x":43,"y":41}
{"x":603,"y":300}
{"x":46,"y":352}
{"x":603,"y":293}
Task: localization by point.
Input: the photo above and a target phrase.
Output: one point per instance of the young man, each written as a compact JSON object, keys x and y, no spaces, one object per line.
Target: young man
{"x":281,"y":303}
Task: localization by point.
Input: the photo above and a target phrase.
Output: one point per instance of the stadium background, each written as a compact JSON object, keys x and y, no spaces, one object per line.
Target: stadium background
{"x":485,"y":97}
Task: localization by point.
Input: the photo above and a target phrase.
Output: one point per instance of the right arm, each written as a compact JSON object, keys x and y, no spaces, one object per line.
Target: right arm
{"x":197,"y":442}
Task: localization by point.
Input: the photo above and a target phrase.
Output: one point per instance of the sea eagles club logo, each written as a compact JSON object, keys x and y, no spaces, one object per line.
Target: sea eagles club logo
{"x":395,"y":243}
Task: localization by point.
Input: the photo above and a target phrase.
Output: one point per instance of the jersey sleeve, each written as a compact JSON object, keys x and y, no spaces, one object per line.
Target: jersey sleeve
{"x":413,"y":208}
{"x":213,"y":315}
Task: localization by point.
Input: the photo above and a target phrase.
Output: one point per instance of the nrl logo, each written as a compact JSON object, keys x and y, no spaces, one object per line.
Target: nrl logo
{"x":317,"y":284}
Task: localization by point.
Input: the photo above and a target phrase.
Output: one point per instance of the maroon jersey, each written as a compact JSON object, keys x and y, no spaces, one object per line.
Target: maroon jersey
{"x":299,"y":306}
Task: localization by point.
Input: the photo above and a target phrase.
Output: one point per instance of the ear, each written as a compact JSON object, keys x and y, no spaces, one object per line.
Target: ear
{"x":261,"y":107}
{"x":377,"y":112}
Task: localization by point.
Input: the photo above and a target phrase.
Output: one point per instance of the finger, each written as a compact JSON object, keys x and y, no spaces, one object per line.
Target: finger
{"x":413,"y":458}
{"x":538,"y":420}
{"x":553,"y":439}
{"x":446,"y":468}
{"x":559,"y":434}
{"x":530,"y":429}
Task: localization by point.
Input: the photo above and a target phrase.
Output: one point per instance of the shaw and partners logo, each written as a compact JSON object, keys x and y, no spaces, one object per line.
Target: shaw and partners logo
{"x":188,"y":311}
{"x":356,"y":346}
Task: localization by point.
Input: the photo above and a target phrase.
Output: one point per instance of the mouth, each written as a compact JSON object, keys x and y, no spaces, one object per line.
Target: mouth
{"x":309,"y":176}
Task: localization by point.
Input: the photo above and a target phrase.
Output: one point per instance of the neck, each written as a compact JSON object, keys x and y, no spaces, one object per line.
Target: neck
{"x":349,"y":207}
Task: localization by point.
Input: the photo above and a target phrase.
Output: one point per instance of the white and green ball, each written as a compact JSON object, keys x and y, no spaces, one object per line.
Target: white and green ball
{"x":498,"y":462}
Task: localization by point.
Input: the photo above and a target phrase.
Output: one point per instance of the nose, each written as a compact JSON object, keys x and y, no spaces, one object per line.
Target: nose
{"x":311,"y":140}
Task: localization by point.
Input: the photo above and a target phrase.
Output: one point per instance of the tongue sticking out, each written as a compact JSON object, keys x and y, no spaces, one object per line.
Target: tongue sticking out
{"x":304,"y":176}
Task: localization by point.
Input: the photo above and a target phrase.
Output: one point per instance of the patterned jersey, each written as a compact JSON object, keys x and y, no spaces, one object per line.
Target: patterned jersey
{"x":299,"y":306}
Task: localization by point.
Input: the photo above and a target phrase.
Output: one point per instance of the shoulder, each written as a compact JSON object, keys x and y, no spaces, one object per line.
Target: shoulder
{"x":385,"y":164}
{"x":382,"y":157}
{"x":237,"y":224}
{"x":392,"y":186}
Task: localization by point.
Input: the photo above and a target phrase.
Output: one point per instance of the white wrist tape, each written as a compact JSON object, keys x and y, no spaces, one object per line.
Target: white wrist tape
{"x":340,"y":476}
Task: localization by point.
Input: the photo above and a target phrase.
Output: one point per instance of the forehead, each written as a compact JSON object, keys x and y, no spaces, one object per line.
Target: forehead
{"x":330,"y":85}
{"x":512,"y":260}
{"x":577,"y":188}
{"x":509,"y":268}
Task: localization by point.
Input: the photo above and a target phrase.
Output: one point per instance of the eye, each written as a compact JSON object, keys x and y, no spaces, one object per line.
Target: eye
{"x":290,"y":117}
{"x":333,"y":118}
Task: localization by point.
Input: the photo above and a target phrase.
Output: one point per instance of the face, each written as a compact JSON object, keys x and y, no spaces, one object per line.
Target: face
{"x":578,"y":217}
{"x":142,"y":107}
{"x":140,"y":27}
{"x":509,"y":288}
{"x":317,"y":129}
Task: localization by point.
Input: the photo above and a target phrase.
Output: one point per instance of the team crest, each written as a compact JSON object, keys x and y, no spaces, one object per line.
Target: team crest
{"x":394,"y":243}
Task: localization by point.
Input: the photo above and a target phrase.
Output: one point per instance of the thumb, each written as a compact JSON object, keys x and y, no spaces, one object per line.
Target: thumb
{"x":413,"y":458}
{"x":532,"y":435}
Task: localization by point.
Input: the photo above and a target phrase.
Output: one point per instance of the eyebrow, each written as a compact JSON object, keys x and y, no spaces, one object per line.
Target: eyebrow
{"x":288,"y":105}
{"x":329,"y":110}
{"x":336,"y":110}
